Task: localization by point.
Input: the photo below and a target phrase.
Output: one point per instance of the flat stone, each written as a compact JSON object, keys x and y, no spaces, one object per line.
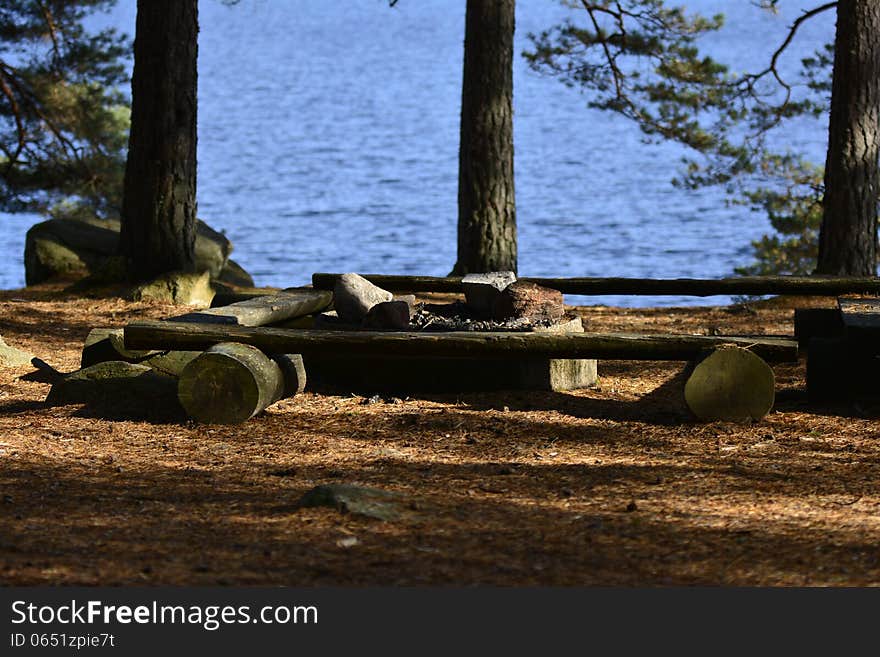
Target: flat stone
{"x":181,"y":288}
{"x":354,"y":296}
{"x":13,"y":357}
{"x":481,"y":291}
{"x":522,"y":300}
{"x":357,"y":500}
{"x":388,"y":315}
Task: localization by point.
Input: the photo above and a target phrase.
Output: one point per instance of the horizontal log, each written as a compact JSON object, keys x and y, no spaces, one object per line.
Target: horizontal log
{"x":180,"y":335}
{"x":696,"y":287}
{"x":262,"y":310}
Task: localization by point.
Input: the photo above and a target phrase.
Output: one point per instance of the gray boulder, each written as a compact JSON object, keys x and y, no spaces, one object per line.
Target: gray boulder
{"x":73,"y":248}
{"x":354,"y":296}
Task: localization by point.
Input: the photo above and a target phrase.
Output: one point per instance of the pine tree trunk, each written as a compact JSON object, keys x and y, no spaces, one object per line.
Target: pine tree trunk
{"x":486,"y":207}
{"x":159,"y":200}
{"x":848,"y":238}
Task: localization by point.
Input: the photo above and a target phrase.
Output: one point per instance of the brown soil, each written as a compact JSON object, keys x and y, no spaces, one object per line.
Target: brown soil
{"x":611,"y":486}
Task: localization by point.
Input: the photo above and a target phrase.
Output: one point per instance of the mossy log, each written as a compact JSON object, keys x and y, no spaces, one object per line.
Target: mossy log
{"x":465,"y":344}
{"x":230,"y":383}
{"x":731,"y":384}
{"x":739,"y":286}
{"x":117,"y":381}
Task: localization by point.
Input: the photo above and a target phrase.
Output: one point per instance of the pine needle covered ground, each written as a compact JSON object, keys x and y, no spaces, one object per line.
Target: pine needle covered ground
{"x":608,"y":486}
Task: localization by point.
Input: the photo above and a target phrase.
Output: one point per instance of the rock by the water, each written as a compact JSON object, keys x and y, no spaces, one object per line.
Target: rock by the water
{"x":12,"y":357}
{"x":354,"y":296}
{"x":179,"y":288}
{"x":523,"y":300}
{"x":73,"y":248}
{"x":358,"y":500}
{"x":481,"y":291}
{"x":392,"y":315}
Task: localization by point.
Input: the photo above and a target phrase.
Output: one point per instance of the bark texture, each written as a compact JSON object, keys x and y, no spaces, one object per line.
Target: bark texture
{"x":159,"y":202}
{"x":848,"y":239}
{"x":486,"y":206}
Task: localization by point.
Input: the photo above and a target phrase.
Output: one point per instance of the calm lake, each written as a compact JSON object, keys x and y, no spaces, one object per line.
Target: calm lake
{"x":328,"y":141}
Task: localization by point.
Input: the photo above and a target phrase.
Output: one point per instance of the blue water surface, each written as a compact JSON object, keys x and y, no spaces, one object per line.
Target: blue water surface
{"x":328,"y":141}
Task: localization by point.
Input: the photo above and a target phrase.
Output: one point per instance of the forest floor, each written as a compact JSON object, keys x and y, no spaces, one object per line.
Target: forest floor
{"x":606,"y":486}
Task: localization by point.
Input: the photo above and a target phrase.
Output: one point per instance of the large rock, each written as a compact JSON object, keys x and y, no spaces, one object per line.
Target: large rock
{"x":521,"y":300}
{"x":354,"y":296}
{"x":73,"y":248}
{"x":481,"y":291}
{"x":179,"y":288}
{"x":12,"y":357}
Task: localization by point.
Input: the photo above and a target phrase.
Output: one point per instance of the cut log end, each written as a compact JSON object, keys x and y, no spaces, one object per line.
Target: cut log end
{"x":229,"y":384}
{"x":731,"y":384}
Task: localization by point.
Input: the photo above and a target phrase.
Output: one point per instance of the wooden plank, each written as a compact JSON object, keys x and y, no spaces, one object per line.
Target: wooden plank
{"x":262,"y":310}
{"x":180,"y":335}
{"x":740,"y":286}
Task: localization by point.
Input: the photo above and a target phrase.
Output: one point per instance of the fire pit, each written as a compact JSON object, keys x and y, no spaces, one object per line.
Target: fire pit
{"x":488,"y":306}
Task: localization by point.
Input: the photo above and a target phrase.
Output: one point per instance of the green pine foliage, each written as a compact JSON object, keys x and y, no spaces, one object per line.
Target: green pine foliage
{"x":641,"y":59}
{"x":63,"y":118}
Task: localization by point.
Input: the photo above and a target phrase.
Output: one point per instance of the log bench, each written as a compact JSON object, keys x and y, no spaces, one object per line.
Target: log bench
{"x":730,"y":378}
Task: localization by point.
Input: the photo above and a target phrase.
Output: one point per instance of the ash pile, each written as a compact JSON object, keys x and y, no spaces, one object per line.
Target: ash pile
{"x":494,"y":301}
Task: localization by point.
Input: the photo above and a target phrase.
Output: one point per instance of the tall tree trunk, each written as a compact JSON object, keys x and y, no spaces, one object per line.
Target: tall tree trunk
{"x":848,"y":238}
{"x":159,"y":200}
{"x":486,"y":206}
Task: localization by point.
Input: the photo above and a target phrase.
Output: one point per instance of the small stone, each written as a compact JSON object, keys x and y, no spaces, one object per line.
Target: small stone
{"x":354,"y":296}
{"x":535,"y":303}
{"x":388,"y":315}
{"x":482,"y":290}
{"x":357,"y":500}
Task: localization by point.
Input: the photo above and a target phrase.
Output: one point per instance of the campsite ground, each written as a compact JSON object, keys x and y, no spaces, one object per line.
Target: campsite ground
{"x":607,"y":486}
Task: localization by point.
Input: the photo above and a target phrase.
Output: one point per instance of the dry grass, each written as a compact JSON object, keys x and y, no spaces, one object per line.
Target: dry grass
{"x":606,"y":486}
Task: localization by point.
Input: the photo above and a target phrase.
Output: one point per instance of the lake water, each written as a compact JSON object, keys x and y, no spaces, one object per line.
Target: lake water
{"x":328,"y":141}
